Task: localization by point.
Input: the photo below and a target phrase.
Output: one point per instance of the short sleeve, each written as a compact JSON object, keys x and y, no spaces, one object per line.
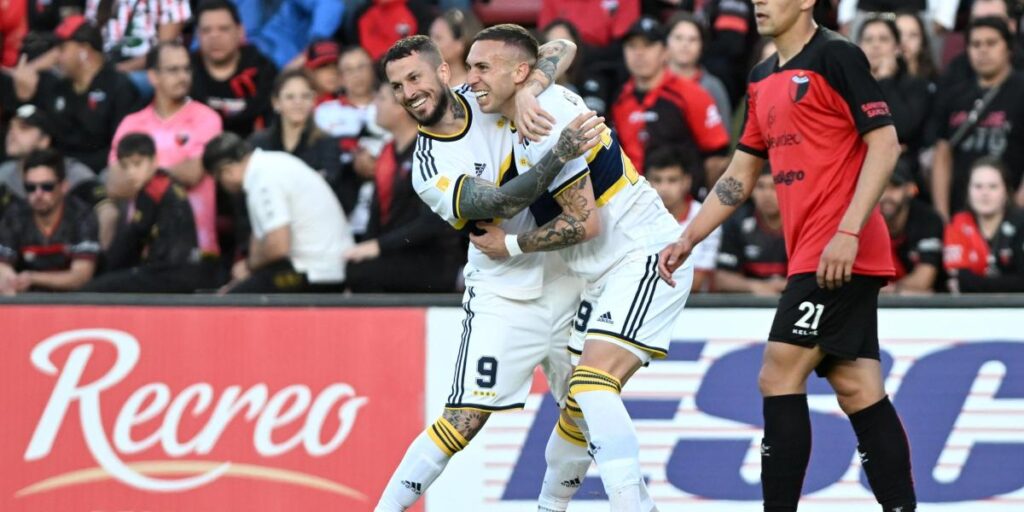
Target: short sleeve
{"x":564,"y":105}
{"x":751,"y":139}
{"x":438,"y":190}
{"x":268,"y":205}
{"x":847,"y":71}
{"x":730,"y":250}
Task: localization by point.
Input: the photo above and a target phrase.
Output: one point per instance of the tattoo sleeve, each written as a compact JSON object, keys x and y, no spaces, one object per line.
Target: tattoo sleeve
{"x":481,"y":199}
{"x":569,"y":228}
{"x":729,"y":191}
{"x":553,"y":59}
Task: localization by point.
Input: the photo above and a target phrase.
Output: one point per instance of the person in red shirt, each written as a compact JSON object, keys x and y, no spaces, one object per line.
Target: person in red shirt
{"x":600,"y":22}
{"x":657,"y":108}
{"x":818,"y":116}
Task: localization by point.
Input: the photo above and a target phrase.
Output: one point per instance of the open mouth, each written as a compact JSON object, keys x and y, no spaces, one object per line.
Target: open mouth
{"x":418,"y":103}
{"x":481,"y":94}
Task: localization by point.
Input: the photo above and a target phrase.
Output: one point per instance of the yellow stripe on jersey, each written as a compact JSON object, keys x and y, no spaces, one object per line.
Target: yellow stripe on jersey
{"x":612,"y":190}
{"x":606,"y":142}
{"x":572,"y":181}
{"x":458,"y":196}
{"x":506,"y":164}
{"x":629,"y":177}
{"x":461,"y":132}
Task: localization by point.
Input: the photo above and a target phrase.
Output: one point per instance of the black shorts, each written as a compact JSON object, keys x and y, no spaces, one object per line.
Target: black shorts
{"x":843,"y":322}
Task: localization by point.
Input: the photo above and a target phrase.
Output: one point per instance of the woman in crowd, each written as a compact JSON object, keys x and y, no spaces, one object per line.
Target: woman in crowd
{"x":685,"y":42}
{"x":984,"y":246}
{"x":916,"y":46}
{"x":910,"y":98}
{"x":453,"y":33}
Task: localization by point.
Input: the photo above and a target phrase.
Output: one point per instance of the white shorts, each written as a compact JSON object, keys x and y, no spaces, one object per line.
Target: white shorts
{"x":503,"y":341}
{"x":633,"y":308}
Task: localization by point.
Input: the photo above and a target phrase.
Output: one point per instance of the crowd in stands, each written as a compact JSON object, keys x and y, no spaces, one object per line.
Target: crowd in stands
{"x":249,"y":146}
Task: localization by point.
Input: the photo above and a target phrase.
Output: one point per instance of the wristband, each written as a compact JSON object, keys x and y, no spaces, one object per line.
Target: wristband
{"x":851,"y":233}
{"x":512,"y":245}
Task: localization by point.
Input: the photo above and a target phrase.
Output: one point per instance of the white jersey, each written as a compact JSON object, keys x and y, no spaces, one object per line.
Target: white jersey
{"x":705,"y":254}
{"x":482,"y":149}
{"x":633,"y":217}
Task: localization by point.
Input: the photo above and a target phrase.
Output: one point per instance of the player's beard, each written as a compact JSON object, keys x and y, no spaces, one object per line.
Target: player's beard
{"x":443,"y":102}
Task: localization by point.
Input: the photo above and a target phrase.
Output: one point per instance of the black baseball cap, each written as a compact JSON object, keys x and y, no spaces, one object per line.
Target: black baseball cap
{"x":647,"y":27}
{"x":77,"y":28}
{"x":35,"y":117}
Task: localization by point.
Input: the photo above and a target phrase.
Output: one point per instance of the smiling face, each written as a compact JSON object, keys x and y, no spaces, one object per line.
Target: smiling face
{"x":495,"y":69}
{"x":295,"y":101}
{"x":420,"y":87}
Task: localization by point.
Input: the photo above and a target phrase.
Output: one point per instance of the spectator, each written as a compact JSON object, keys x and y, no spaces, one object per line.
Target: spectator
{"x":53,"y":244}
{"x":732,"y":40}
{"x":984,"y":246}
{"x":404,"y":238}
{"x":281,"y":30}
{"x":378,"y":24}
{"x":300,"y":232}
{"x":983,"y":117}
{"x":668,"y":171}
{"x":8,"y":200}
{"x":156,"y":250}
{"x":453,"y":33}
{"x":752,"y":255}
{"x":594,"y":85}
{"x":132,"y":27}
{"x":686,"y":37}
{"x":294,"y":132}
{"x":180,"y":128}
{"x":960,"y":69}
{"x":13,"y":27}
{"x":88,"y":103}
{"x":910,"y":98}
{"x":657,"y":108}
{"x":853,"y":13}
{"x":322,"y":63}
{"x":232,"y":78}
{"x":350,"y":119}
{"x":600,"y":23}
{"x":915,"y":229}
{"x":916,"y":47}
{"x":31,"y":130}
{"x":44,"y":17}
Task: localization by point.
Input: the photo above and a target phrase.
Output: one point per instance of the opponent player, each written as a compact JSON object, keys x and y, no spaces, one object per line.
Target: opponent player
{"x":461,"y":157}
{"x":817,"y":115}
{"x":607,"y":224}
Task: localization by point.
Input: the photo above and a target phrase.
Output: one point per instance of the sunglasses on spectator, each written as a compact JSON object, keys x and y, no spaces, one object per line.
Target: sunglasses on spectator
{"x":48,"y":186}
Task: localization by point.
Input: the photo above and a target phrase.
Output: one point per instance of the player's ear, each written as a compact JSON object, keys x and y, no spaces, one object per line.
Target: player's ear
{"x":522,"y":72}
{"x":444,"y":72}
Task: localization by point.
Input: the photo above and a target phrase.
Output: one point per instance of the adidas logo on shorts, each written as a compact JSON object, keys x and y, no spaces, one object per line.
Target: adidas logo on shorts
{"x":572,"y":484}
{"x":415,"y":487}
{"x":606,"y":318}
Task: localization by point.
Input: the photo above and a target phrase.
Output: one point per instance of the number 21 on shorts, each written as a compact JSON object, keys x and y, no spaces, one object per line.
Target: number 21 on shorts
{"x":811,"y":315}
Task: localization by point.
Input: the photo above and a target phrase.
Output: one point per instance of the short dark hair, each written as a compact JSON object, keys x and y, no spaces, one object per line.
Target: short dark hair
{"x":993,"y":22}
{"x":153,"y":55}
{"x":48,"y":157}
{"x":225,"y":148}
{"x":512,"y":35}
{"x":217,"y":5}
{"x":671,"y":156}
{"x":136,"y":144}
{"x":413,"y":44}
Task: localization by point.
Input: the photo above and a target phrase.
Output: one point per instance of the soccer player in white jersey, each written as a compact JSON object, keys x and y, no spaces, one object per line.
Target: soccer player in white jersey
{"x":608,"y":225}
{"x":517,"y":313}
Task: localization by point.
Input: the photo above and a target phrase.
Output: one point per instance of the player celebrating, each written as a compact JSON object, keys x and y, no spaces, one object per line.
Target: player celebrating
{"x":608,"y":224}
{"x":817,"y":115}
{"x":462,"y":158}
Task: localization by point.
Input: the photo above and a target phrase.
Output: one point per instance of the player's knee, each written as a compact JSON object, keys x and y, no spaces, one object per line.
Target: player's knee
{"x":586,"y":379}
{"x":467,"y":422}
{"x":570,"y":432}
{"x":773,"y":381}
{"x":854,"y":396}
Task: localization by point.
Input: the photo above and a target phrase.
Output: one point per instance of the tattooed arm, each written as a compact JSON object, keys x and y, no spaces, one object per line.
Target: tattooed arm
{"x":577,"y":223}
{"x":481,"y":199}
{"x":731,"y":190}
{"x":553,"y":59}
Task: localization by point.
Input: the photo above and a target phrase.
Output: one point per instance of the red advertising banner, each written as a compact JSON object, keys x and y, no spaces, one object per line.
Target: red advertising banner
{"x":163,"y":409}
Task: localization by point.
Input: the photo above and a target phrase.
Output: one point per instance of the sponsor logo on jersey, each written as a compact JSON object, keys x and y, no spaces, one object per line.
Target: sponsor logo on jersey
{"x":784,"y":139}
{"x":788,"y":177}
{"x":479,"y":168}
{"x":875,"y":109}
{"x":606,"y":318}
{"x":415,"y":487}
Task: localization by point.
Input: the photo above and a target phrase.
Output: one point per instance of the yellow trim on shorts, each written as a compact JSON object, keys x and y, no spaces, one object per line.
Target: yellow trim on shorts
{"x":656,"y":353}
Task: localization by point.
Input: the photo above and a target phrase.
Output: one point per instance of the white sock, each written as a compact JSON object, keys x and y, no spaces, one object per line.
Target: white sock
{"x":613,"y":440}
{"x":423,"y":463}
{"x":568,"y":461}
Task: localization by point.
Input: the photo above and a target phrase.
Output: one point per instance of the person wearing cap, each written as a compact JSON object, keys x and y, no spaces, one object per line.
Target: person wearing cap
{"x":657,"y":108}
{"x":88,"y":102}
{"x":969,"y":129}
{"x":752,"y":254}
{"x":915,"y":230}
{"x":52,"y":244}
{"x":180,"y":127}
{"x":322,"y":63}
{"x":231,"y":77}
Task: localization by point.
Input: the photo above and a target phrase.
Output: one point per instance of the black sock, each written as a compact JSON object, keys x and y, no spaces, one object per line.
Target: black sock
{"x":885,"y":456}
{"x":785,"y":451}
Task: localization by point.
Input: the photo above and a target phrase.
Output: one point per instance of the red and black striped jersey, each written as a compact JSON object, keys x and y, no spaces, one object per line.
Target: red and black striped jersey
{"x":25,"y":246}
{"x":807,"y":118}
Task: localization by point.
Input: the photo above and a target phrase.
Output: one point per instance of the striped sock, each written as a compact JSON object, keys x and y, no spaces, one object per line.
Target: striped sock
{"x":568,"y":461}
{"x":423,"y":463}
